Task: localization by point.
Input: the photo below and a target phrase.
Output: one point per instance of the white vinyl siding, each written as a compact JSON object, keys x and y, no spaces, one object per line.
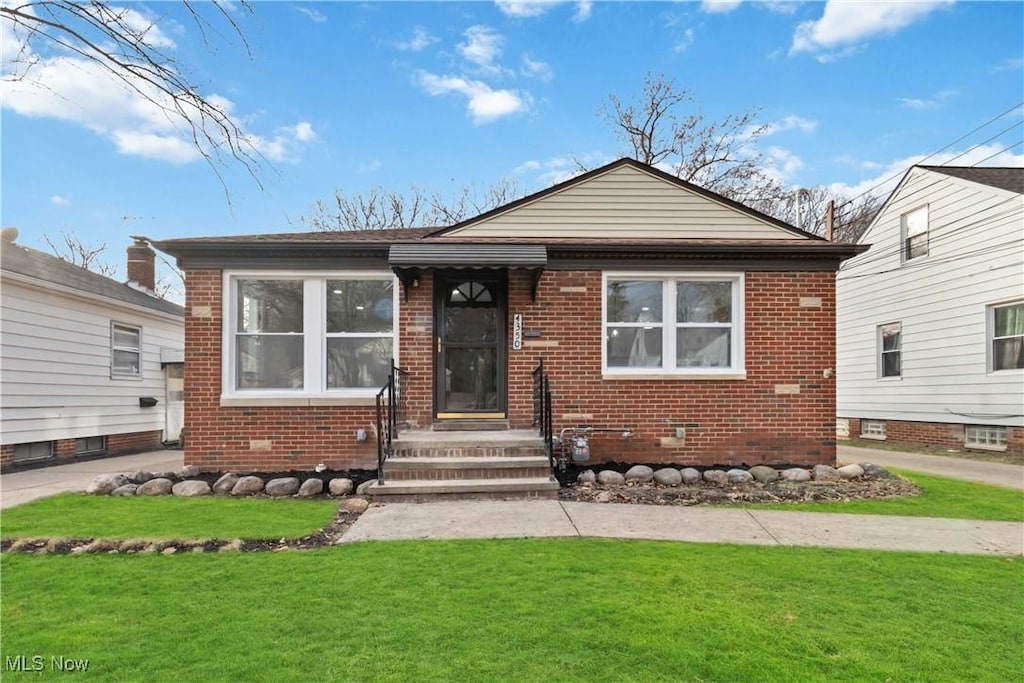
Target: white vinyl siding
{"x":975,"y":260}
{"x":55,"y":370}
{"x":290,"y":334}
{"x":623,"y":203}
{"x":676,"y":323}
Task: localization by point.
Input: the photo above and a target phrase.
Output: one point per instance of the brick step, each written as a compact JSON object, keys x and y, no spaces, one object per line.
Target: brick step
{"x":434,"y":451}
{"x":405,"y":469}
{"x":461,"y":489}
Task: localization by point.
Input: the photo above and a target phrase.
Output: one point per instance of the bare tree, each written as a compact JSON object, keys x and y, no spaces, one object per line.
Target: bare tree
{"x":851,"y":219}
{"x":129,"y":48}
{"x":666,"y":128}
{"x":380,"y":208}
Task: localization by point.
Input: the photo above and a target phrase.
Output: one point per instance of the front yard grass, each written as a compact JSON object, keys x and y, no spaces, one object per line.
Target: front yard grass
{"x":940,"y":497}
{"x":75,"y":515}
{"x":527,"y":609}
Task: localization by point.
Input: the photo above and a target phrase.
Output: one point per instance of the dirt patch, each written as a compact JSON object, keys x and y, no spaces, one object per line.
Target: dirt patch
{"x":873,"y":488}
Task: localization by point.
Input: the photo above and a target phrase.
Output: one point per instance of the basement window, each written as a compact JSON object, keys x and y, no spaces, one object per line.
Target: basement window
{"x":90,"y":444}
{"x":29,"y":452}
{"x":872,"y":429}
{"x":985,"y":437}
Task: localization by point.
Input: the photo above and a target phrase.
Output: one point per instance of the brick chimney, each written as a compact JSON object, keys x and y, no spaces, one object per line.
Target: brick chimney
{"x":141,"y":264}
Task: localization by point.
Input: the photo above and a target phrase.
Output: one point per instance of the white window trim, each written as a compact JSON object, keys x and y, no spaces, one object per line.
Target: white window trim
{"x":990,"y":329}
{"x":985,"y":446}
{"x":880,"y":366}
{"x":314,"y":309}
{"x":668,"y":327}
{"x":114,"y":374}
{"x":904,"y":234}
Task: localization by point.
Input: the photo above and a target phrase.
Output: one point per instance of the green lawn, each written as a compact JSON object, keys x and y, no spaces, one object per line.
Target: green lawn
{"x":75,"y":515}
{"x":521,"y":610}
{"x":941,"y":497}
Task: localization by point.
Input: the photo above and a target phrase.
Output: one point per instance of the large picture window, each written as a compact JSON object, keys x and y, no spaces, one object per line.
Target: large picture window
{"x":683,"y":324}
{"x":303,"y":335}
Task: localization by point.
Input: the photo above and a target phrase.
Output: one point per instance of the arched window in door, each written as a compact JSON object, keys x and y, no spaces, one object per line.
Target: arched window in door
{"x":471,"y":293}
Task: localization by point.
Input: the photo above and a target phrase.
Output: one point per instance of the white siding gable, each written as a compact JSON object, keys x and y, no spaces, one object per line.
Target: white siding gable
{"x":975,"y":259}
{"x":624,"y":202}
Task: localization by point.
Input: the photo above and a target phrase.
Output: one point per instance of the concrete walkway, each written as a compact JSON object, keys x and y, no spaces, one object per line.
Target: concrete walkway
{"x":21,"y":487}
{"x":997,"y":474}
{"x":539,"y":519}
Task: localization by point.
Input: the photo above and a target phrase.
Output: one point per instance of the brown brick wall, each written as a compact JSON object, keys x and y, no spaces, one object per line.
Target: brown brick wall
{"x":117,"y":444}
{"x":933,"y":434}
{"x":726,"y":421}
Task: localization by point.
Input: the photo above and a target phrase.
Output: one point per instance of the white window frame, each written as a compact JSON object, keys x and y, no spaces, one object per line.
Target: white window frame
{"x":880,"y":351}
{"x":137,"y":329}
{"x":669,"y":326}
{"x":872,"y":429}
{"x":994,"y":439}
{"x":990,"y":335}
{"x":314,"y":321}
{"x":905,"y":234}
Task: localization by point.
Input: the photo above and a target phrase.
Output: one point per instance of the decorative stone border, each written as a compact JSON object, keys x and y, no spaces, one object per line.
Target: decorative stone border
{"x":762,"y":474}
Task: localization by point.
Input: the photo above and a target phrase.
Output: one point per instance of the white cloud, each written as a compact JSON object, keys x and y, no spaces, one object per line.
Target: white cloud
{"x":420,"y":40}
{"x":369,"y":166}
{"x":524,"y":9}
{"x":935,"y":102}
{"x":313,"y":15}
{"x":140,"y":121}
{"x":559,"y":169}
{"x":787,"y":123}
{"x":1009,"y":64}
{"x":58,"y":200}
{"x":684,"y":42}
{"x":484,"y":103}
{"x":892,"y":172}
{"x":783,"y":162}
{"x":719,"y":6}
{"x":537,"y":69}
{"x":779,"y":6}
{"x":482,"y":47}
{"x":844,"y":24}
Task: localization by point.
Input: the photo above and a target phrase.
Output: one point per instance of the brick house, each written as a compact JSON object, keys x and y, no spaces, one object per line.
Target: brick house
{"x":679,"y":326}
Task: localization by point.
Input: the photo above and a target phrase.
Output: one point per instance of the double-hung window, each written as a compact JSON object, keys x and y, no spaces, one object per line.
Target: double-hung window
{"x":300,"y":335}
{"x":680,"y":324}
{"x":915,"y":233}
{"x":1006,"y":336}
{"x":890,"y":344}
{"x":125,"y":350}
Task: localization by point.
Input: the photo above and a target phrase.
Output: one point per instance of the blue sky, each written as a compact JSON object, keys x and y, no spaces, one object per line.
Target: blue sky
{"x":438,"y":95}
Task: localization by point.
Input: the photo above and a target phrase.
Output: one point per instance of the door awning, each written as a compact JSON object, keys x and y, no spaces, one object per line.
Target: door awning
{"x":407,"y":260}
{"x":468,"y":256}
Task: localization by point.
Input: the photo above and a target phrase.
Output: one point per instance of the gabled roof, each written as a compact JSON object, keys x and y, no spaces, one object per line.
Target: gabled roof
{"x":15,"y":258}
{"x":381,"y":236}
{"x":1005,"y":178}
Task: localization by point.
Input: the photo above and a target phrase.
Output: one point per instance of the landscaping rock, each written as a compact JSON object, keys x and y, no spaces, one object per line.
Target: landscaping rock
{"x":155,"y":487}
{"x":363,"y":488}
{"x":310,"y":488}
{"x":764,"y":474}
{"x":169,"y":551}
{"x":825,"y":473}
{"x":690,"y":476}
{"x":738,"y":476}
{"x":603,"y":497}
{"x":191,"y":488}
{"x":850,"y":471}
{"x":141,"y":477}
{"x":716,"y":477}
{"x":587,"y":477}
{"x":105,"y":483}
{"x":610,"y":478}
{"x":226,"y":482}
{"x":872,"y":470}
{"x":247,"y":486}
{"x":340,"y":486}
{"x":126,"y":490}
{"x":232,"y":547}
{"x":797,"y":474}
{"x":668,"y":476}
{"x":642,"y":474}
{"x":355,"y":505}
{"x":188,"y":471}
{"x":284,"y":486}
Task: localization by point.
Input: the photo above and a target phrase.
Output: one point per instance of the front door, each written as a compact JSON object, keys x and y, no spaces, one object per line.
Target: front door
{"x":469,"y":344}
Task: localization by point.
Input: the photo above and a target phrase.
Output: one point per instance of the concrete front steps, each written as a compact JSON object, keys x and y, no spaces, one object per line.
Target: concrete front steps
{"x":458,"y":465}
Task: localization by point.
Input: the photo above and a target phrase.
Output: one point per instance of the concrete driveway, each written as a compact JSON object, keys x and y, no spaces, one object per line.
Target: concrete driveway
{"x":997,"y":474}
{"x":21,"y":487}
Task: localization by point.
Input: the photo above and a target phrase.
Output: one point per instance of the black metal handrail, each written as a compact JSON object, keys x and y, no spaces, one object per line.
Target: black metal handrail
{"x":538,"y":395}
{"x":542,"y":409}
{"x":389,"y":409}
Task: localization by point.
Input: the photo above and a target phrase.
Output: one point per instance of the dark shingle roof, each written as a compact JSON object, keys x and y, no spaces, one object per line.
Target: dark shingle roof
{"x":1005,"y":178}
{"x":383,"y":236}
{"x":16,"y":258}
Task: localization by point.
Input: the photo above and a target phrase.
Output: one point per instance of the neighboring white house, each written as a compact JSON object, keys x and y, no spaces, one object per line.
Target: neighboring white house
{"x":930,"y":320}
{"x":88,"y":365}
